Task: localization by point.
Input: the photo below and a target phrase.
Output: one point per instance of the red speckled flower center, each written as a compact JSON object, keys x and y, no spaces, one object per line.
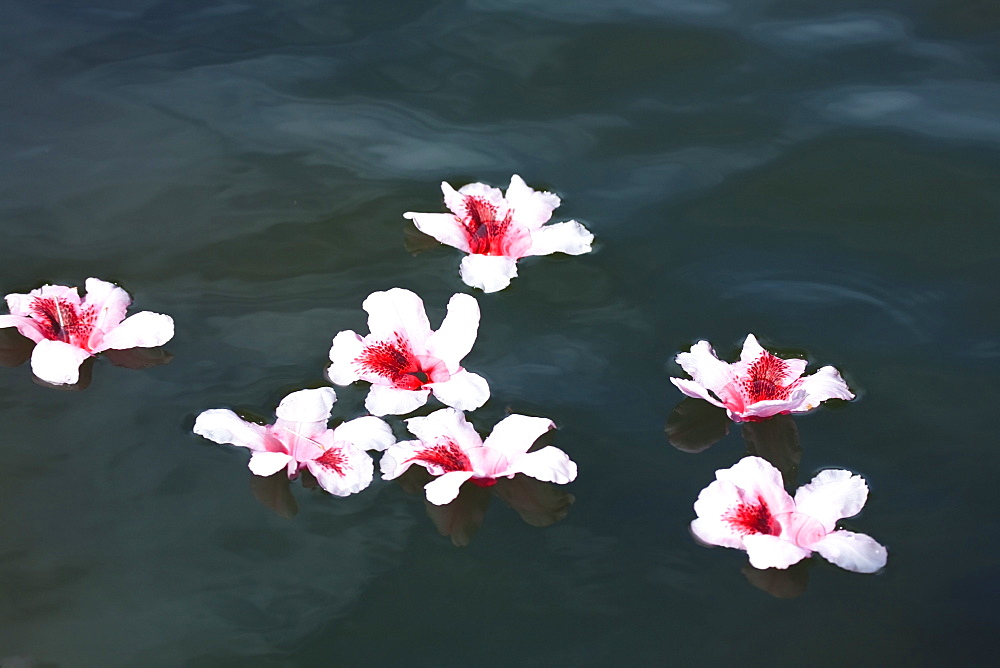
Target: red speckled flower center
{"x":395,"y":361}
{"x":753,"y":518}
{"x":764,"y":379}
{"x":446,"y":455}
{"x":334,"y":460}
{"x":60,"y":320}
{"x":486,"y":235}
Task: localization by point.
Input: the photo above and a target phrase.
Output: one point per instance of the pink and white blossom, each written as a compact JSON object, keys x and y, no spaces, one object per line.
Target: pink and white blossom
{"x":759,"y":385}
{"x":300,"y":438}
{"x":747,"y":508}
{"x":67,"y":329}
{"x":497,"y":230}
{"x":404,"y":360}
{"x":451,"y":449}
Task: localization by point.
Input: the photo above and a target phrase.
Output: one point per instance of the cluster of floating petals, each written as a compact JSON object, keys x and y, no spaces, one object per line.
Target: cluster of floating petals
{"x":404,"y":360}
{"x":300,"y":438}
{"x":759,"y":385}
{"x":451,"y":449}
{"x":747,"y":508}
{"x":496,"y":230}
{"x":67,"y":329}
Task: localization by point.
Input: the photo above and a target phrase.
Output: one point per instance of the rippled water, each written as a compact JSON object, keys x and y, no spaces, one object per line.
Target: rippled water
{"x":824,"y":175}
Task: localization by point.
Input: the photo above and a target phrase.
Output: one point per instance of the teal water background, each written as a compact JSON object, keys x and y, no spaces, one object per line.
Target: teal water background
{"x":825,"y":175}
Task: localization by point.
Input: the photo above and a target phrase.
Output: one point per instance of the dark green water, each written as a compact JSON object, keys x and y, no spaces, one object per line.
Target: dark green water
{"x":822,"y":174}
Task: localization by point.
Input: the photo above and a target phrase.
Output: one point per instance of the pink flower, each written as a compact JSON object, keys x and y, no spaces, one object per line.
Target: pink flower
{"x":748,"y":509}
{"x":68,"y":330}
{"x":497,"y":230}
{"x":449,"y":448}
{"x":301,"y":439}
{"x":759,"y":385}
{"x":404,"y":360}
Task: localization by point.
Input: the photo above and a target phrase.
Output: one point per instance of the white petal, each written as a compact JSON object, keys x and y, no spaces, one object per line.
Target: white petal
{"x":856,"y":552}
{"x":111,"y":302}
{"x":57,"y":362}
{"x":455,"y":337}
{"x":308,"y":405}
{"x":695,"y":391}
{"x":570,"y":237}
{"x":550,"y":464}
{"x":711,"y":531}
{"x":447,"y":423}
{"x":365,"y":433}
{"x":268,"y":463}
{"x":489,"y":273}
{"x":759,"y":478}
{"x":705,"y":368}
{"x":384,"y":400}
{"x":531,"y":208}
{"x":514,"y":434}
{"x":397,"y":311}
{"x":142,"y":330}
{"x":751,"y":349}
{"x":397,"y":458}
{"x":346,"y":348}
{"x":455,"y":201}
{"x":444,"y":227}
{"x":356,"y":473}
{"x":444,"y":488}
{"x":832,"y":494}
{"x":25,"y":325}
{"x":224,"y":426}
{"x":772,"y":552}
{"x":464,"y":390}
{"x":825,"y":384}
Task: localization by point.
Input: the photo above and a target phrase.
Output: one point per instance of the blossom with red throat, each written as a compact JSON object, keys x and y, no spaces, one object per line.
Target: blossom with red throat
{"x":67,"y":329}
{"x":747,"y":508}
{"x":497,"y":230}
{"x":404,"y":360}
{"x":759,"y":385}
{"x":300,"y":438}
{"x":451,"y":449}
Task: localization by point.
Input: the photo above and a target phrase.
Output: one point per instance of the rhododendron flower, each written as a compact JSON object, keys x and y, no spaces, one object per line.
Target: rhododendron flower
{"x":497,"y":230}
{"x":759,"y":385}
{"x":404,"y":360}
{"x":67,"y":330}
{"x":300,"y":438}
{"x":748,"y":508}
{"x":449,"y":448}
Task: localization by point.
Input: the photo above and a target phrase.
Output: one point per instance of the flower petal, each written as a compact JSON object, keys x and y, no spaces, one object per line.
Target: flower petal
{"x":268,"y":463}
{"x":825,"y":384}
{"x":26,"y":326}
{"x":531,"y":208}
{"x":445,"y":423}
{"x":696,"y":391}
{"x":365,"y":433}
{"x":570,"y":237}
{"x":705,"y":368}
{"x":346,"y":348}
{"x":465,"y":391}
{"x":757,"y":477}
{"x":444,"y":488}
{"x":141,"y":330}
{"x":455,"y":337}
{"x":856,"y":552}
{"x":489,"y":273}
{"x":398,"y":311}
{"x":57,"y":362}
{"x":832,"y":494}
{"x":397,"y":458}
{"x":444,"y":227}
{"x":515,"y":434}
{"x":308,"y":405}
{"x":109,"y":301}
{"x":550,"y":464}
{"x":224,"y":426}
{"x":354,"y":474}
{"x":384,"y":400}
{"x":766,"y":551}
{"x":456,"y":200}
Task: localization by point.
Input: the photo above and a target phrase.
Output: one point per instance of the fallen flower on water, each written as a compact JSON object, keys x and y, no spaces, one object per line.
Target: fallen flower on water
{"x":300,"y":439}
{"x":67,"y":329}
{"x":451,"y":449}
{"x":404,"y":360}
{"x":747,"y":508}
{"x":497,"y":230}
{"x":759,"y":385}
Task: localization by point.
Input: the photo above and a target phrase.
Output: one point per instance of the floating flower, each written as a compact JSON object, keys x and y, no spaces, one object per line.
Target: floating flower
{"x":404,"y":360}
{"x":300,"y":438}
{"x":67,"y":330}
{"x":497,"y":230}
{"x":449,"y":448}
{"x":759,"y":385}
{"x":748,"y":509}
